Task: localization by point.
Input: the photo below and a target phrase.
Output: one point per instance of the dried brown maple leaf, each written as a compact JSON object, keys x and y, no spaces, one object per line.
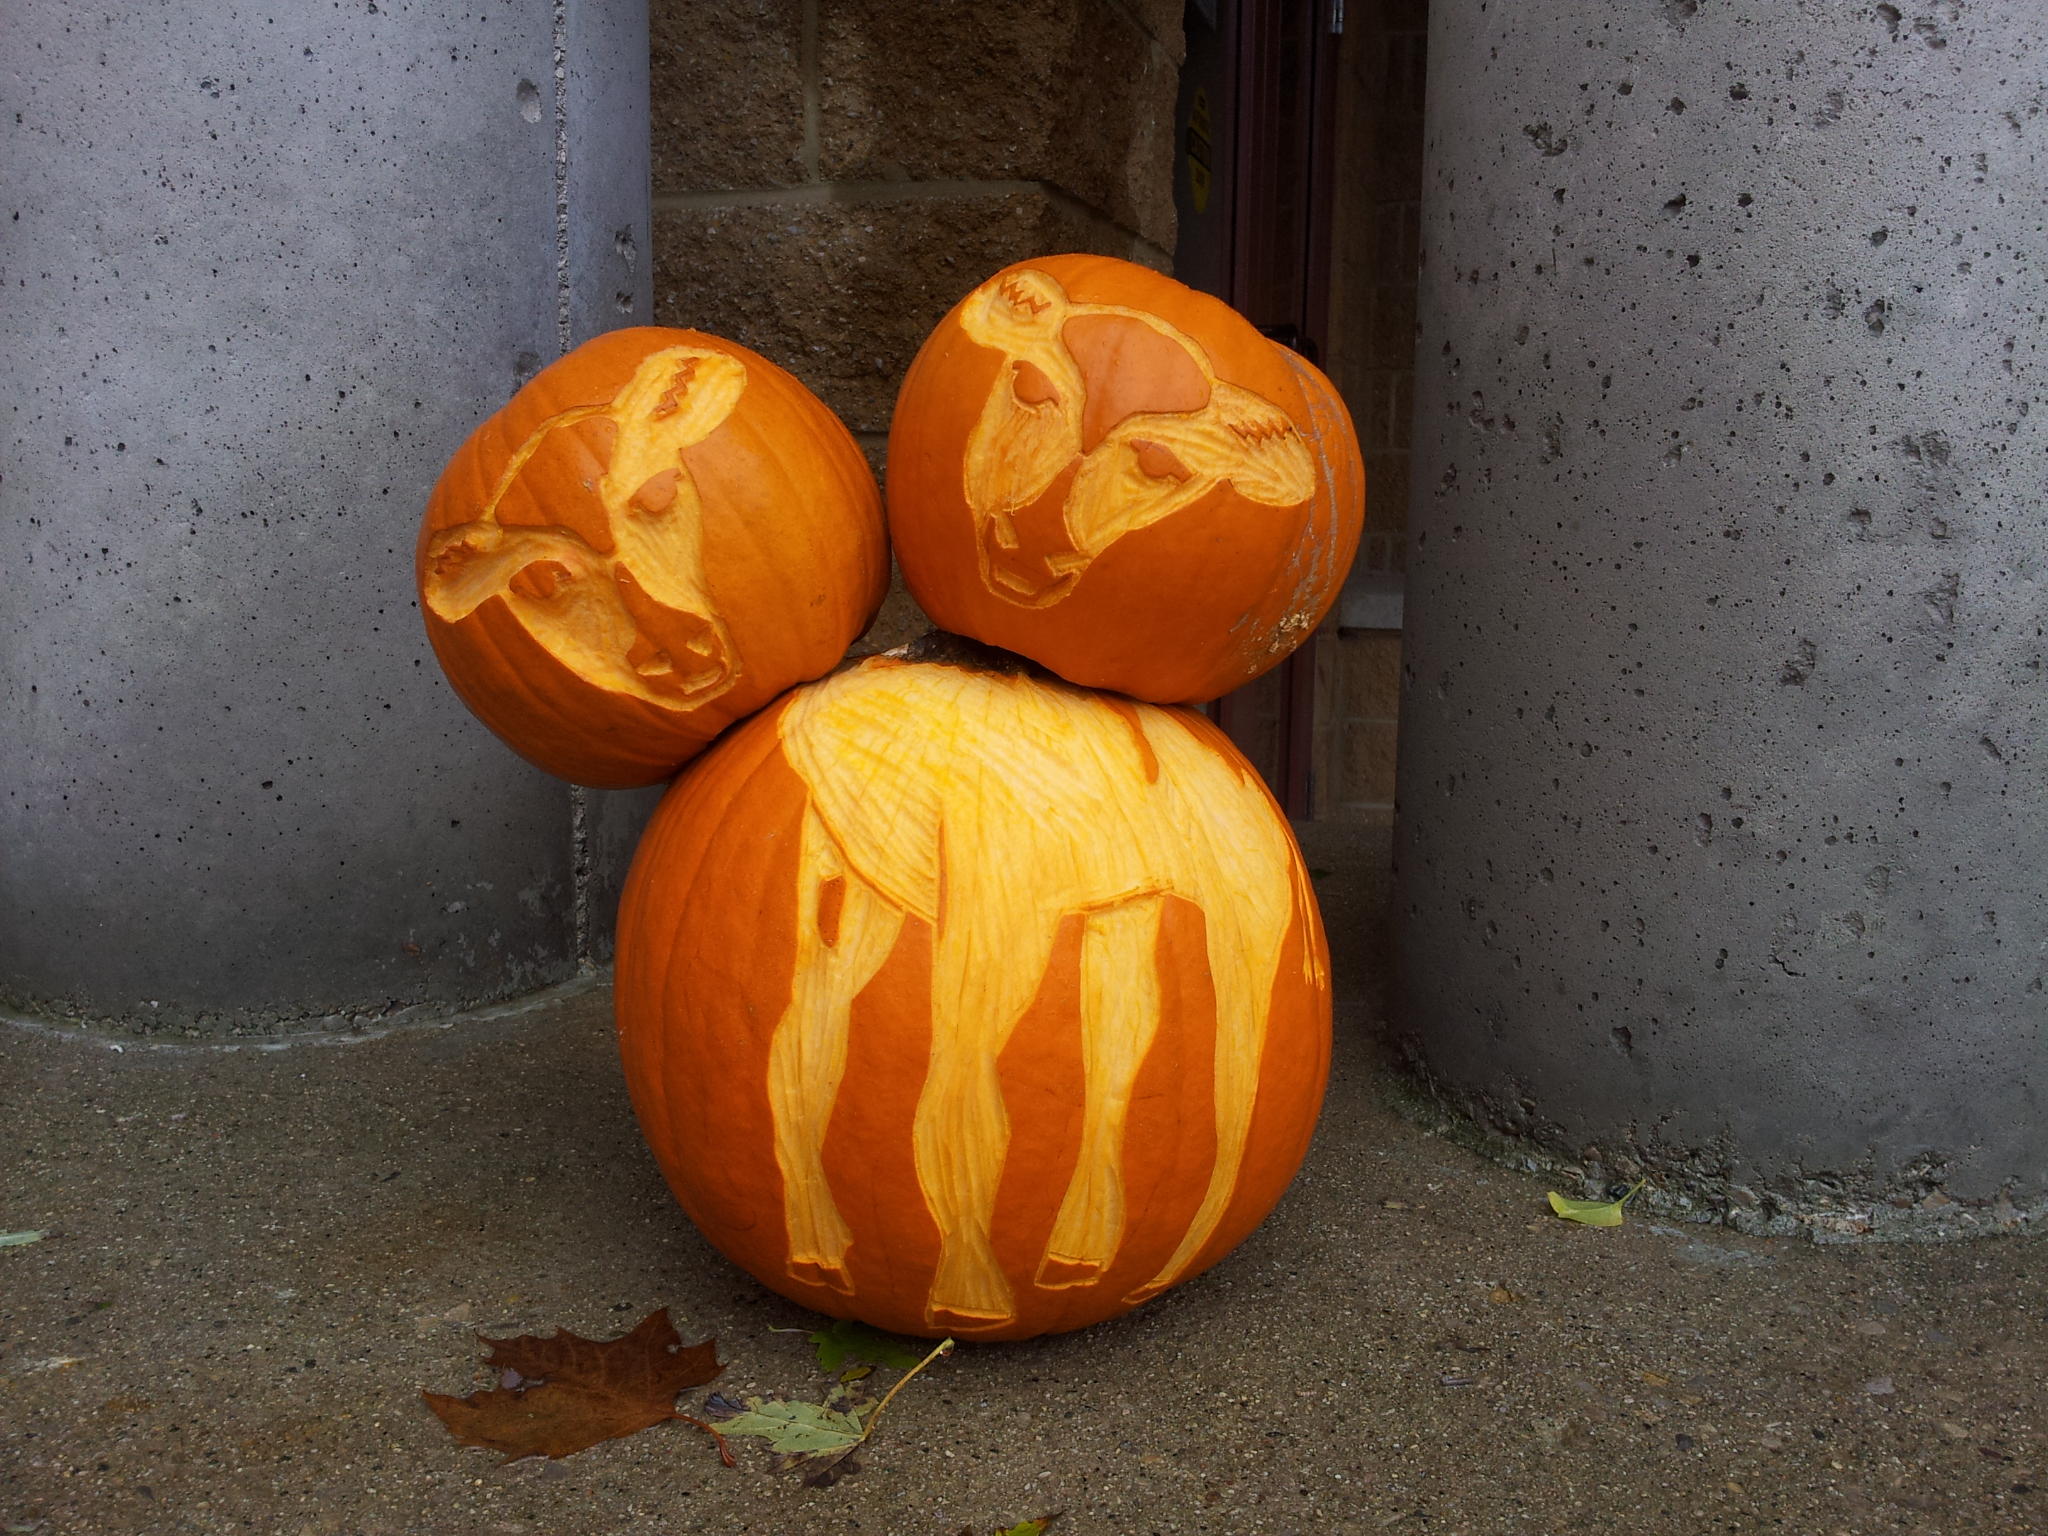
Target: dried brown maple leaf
{"x":564,"y":1394}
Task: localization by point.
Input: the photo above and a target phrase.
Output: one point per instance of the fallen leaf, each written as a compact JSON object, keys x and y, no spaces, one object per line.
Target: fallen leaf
{"x":791,"y":1428}
{"x":568,"y":1393}
{"x":1594,"y":1213}
{"x":802,"y":1431}
{"x":1031,"y":1527}
{"x":1503,"y":1297}
{"x":847,"y":1337}
{"x":20,"y":1239}
{"x":1655,"y":1380}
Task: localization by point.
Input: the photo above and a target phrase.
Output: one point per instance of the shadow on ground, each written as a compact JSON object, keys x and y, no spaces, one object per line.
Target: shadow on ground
{"x":258,"y":1256}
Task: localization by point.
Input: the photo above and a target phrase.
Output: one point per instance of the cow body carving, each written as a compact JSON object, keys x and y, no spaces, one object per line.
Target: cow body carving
{"x":993,"y":808}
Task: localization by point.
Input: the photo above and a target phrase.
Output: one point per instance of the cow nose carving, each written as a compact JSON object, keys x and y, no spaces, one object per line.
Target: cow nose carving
{"x":658,"y":492}
{"x":678,"y":653}
{"x":690,"y":662}
{"x":1027,"y":552}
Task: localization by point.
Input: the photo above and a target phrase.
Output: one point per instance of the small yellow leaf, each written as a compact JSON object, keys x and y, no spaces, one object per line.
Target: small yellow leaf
{"x":1593,"y":1213}
{"x":1655,"y":1380}
{"x":1503,"y":1297}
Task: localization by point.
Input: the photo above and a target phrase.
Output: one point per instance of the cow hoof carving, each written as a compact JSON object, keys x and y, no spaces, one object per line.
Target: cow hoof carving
{"x":962,"y":1001}
{"x":660,"y":533}
{"x":1120,"y":478}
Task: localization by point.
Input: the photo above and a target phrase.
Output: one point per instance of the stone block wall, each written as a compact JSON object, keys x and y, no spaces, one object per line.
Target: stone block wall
{"x":830,"y":176}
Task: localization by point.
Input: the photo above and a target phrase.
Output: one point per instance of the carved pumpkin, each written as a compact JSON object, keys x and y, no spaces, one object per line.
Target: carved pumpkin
{"x":1120,"y":478}
{"x":963,"y":1002}
{"x":660,"y":533}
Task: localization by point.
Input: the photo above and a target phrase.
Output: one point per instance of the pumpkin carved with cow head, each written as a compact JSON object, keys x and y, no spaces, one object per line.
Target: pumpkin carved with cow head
{"x":1099,"y":468}
{"x":660,"y":533}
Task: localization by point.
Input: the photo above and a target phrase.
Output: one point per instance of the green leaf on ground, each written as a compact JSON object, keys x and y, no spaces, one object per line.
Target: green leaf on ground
{"x":795,"y":1429}
{"x":1594,"y":1213}
{"x":20,"y":1239}
{"x":847,"y":1337}
{"x":1030,"y":1527}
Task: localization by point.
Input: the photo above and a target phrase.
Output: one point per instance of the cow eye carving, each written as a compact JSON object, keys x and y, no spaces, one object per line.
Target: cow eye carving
{"x":1156,"y":461}
{"x":1028,"y":382}
{"x":658,"y":494}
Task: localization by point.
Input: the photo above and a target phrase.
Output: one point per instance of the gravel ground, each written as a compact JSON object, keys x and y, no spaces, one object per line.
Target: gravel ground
{"x":257,"y":1255}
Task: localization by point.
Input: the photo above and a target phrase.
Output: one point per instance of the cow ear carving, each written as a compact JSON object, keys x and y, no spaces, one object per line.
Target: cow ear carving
{"x":660,"y":533}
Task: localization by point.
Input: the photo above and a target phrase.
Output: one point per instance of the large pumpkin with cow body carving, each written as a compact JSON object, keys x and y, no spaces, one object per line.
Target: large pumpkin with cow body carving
{"x":1119,"y":477}
{"x":964,"y":1001}
{"x":660,"y":533}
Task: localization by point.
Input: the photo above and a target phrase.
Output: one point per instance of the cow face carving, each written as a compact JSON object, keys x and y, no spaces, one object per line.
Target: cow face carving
{"x":1103,"y":420}
{"x":613,"y":585}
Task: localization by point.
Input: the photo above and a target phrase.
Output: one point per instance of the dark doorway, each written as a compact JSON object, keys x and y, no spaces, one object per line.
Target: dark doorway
{"x":1252,"y":188}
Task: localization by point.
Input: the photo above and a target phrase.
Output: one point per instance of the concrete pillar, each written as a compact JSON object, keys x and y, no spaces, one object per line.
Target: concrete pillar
{"x":264,"y":269}
{"x":1723,"y":829}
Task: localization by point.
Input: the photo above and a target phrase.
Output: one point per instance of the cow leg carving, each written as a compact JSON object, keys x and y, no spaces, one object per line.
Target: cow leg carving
{"x":1244,"y":957}
{"x":983,"y":978}
{"x":844,"y":933}
{"x":1120,"y":1004}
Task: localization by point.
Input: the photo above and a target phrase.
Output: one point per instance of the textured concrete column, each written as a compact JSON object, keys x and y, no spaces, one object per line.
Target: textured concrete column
{"x":263,"y":272}
{"x":1723,"y":830}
